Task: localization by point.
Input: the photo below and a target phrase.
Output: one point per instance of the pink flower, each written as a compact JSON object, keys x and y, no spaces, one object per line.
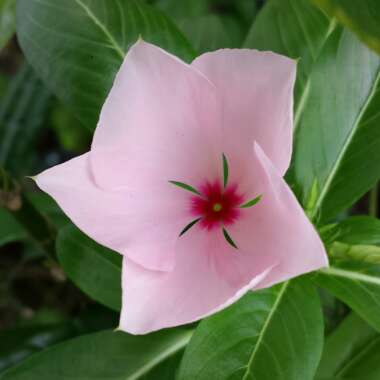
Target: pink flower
{"x":184,"y":179}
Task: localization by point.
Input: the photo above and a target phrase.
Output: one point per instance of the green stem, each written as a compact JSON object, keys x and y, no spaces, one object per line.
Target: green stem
{"x":373,"y":201}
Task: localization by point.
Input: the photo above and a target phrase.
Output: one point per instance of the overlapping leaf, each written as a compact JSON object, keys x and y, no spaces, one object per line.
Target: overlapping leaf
{"x":105,"y":355}
{"x":78,"y":46}
{"x":271,"y":334}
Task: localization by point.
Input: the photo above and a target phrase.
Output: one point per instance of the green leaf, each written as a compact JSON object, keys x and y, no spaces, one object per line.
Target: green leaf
{"x":353,"y":230}
{"x":212,"y":32}
{"x":361,"y":17}
{"x":7,"y":20}
{"x":104,"y":355}
{"x":293,"y":28}
{"x":10,"y":229}
{"x":272,"y":334}
{"x":21,"y":342}
{"x":77,"y":47}
{"x":178,"y":10}
{"x":344,"y":345}
{"x":96,"y":270}
{"x":355,"y":282}
{"x":357,"y":285}
{"x":337,"y":142}
{"x":185,"y":186}
{"x":22,"y":112}
{"x":49,"y":208}
{"x":252,"y":202}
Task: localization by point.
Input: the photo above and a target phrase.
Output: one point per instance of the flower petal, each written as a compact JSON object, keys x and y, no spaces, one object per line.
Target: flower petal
{"x":160,"y":122}
{"x":144,"y":229}
{"x":257,"y":97}
{"x":209,"y":276}
{"x":276,"y":228}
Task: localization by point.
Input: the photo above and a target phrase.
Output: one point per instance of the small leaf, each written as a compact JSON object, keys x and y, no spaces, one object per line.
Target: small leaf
{"x":252,"y":202}
{"x":191,"y":224}
{"x":185,"y":186}
{"x":225,"y":170}
{"x":229,"y":239}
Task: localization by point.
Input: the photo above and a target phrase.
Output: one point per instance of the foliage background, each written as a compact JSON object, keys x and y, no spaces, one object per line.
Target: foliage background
{"x":60,"y":291}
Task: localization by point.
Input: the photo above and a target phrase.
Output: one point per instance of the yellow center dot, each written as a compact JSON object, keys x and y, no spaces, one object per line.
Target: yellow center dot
{"x":217,"y":207}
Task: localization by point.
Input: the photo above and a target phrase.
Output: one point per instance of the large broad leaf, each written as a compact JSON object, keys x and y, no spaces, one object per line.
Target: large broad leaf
{"x":77,"y":46}
{"x":94,"y":269}
{"x":22,"y":113}
{"x":344,"y":345}
{"x":7,"y":20}
{"x":337,"y":146}
{"x":275,"y":333}
{"x":356,"y":284}
{"x":360,"y":16}
{"x":355,"y":281}
{"x":293,"y":28}
{"x":212,"y":32}
{"x":105,"y":355}
{"x":21,"y":342}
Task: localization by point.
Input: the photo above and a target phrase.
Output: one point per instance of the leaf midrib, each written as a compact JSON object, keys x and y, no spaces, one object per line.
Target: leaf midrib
{"x":362,"y":353}
{"x":164,"y":355}
{"x":103,"y":28}
{"x":264,"y":328}
{"x":354,"y":276}
{"x":327,"y":184}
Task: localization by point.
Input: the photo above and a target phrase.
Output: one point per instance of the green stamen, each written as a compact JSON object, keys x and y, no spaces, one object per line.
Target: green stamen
{"x":229,"y":239}
{"x":252,"y":202}
{"x":185,"y":186}
{"x":225,"y":170}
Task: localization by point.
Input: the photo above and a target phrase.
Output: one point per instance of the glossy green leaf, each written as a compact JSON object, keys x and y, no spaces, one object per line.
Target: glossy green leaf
{"x":344,"y":345}
{"x":78,"y":46}
{"x":212,"y":32}
{"x":49,"y":208}
{"x":338,"y":139}
{"x":353,"y":230}
{"x":10,"y":229}
{"x":95,"y":269}
{"x":22,"y":112}
{"x":361,"y":17}
{"x":179,"y":10}
{"x":7,"y":20}
{"x":272,"y":334}
{"x":20,"y":342}
{"x":294,"y":28}
{"x":355,"y":282}
{"x":104,"y":355}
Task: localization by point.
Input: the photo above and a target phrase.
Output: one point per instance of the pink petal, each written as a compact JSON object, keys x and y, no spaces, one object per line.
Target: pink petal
{"x":160,"y":122}
{"x":275,"y":242}
{"x":277,"y":229}
{"x":143,"y":228}
{"x":257,"y":97}
{"x":209,"y":276}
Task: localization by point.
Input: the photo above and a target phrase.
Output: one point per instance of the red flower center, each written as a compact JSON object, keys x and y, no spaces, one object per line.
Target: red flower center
{"x":216,"y":206}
